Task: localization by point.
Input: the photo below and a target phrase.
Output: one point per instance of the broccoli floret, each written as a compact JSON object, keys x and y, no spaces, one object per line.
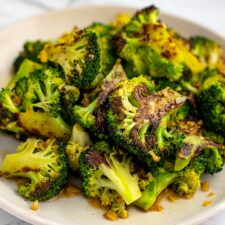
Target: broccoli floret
{"x":70,"y":95}
{"x":138,"y":119}
{"x":41,"y":106}
{"x":192,"y":145}
{"x":192,"y":63}
{"x":107,"y":56}
{"x":9,"y":108}
{"x":208,"y":161}
{"x":78,"y":54}
{"x":212,"y":158}
{"x":42,"y":164}
{"x":31,"y":50}
{"x":147,"y":47}
{"x":7,"y":102}
{"x":187,"y":183}
{"x":153,"y":190}
{"x":26,"y":67}
{"x":145,"y":16}
{"x":103,"y":170}
{"x":77,"y":144}
{"x":210,"y":103}
{"x":215,"y":137}
{"x":92,"y":116}
{"x":208,"y":51}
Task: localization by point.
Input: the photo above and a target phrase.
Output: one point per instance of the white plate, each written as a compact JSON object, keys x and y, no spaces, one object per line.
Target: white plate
{"x":77,"y":211}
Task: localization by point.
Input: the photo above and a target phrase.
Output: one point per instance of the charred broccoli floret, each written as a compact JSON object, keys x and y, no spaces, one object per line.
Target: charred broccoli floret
{"x":41,"y":106}
{"x":146,"y":47}
{"x":78,"y":54}
{"x":208,"y":51}
{"x":107,"y":56}
{"x":42,"y":164}
{"x":192,"y":146}
{"x":210,"y":160}
{"x":31,"y":50}
{"x":144,"y":16}
{"x":77,"y":144}
{"x":105,"y":173}
{"x":138,"y":119}
{"x":92,"y":116}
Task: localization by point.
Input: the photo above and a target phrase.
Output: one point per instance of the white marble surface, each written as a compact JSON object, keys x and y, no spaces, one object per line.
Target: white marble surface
{"x":206,"y":12}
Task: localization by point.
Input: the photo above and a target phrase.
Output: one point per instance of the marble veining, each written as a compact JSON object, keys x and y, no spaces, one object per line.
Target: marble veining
{"x":199,"y":11}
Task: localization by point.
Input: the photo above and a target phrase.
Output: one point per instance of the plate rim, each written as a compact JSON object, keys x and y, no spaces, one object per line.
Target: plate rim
{"x":30,"y":217}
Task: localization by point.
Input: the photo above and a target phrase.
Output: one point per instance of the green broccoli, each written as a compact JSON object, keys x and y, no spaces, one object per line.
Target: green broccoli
{"x":145,"y":16}
{"x":70,"y":95}
{"x":187,"y":183}
{"x":210,"y":103}
{"x":41,"y":106}
{"x":101,"y":170}
{"x":78,"y":54}
{"x":208,"y":51}
{"x":139,"y":119}
{"x":107,"y":56}
{"x":147,"y":47}
{"x":26,"y":67}
{"x":192,"y":145}
{"x":210,"y":160}
{"x":78,"y":143}
{"x":192,"y":63}
{"x":153,"y":190}
{"x":92,"y":116}
{"x":31,"y":50}
{"x":9,"y":108}
{"x":42,"y":164}
{"x":105,"y":173}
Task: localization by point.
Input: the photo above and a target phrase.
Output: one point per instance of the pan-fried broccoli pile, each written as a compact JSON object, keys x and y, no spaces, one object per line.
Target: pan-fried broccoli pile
{"x":132,"y":108}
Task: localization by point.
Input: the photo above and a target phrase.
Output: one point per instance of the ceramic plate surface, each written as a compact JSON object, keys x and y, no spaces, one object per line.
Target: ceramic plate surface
{"x":77,"y":211}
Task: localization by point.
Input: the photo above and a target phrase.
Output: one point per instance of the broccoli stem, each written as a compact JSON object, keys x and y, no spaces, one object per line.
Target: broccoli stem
{"x":121,"y":180}
{"x":142,"y":132}
{"x":44,"y":124}
{"x":8,"y":104}
{"x":152,"y":191}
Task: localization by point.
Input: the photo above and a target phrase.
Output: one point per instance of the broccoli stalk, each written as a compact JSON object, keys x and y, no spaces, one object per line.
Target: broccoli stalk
{"x":42,"y":164}
{"x":84,"y":115}
{"x":152,"y":191}
{"x":101,"y":171}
